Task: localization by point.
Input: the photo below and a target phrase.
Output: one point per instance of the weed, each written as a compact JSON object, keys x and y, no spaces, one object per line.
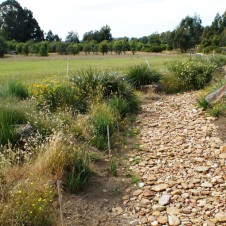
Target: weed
{"x":113,"y":167}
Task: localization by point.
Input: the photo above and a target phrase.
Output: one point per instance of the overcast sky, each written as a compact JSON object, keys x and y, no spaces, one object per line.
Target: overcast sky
{"x":132,"y":18}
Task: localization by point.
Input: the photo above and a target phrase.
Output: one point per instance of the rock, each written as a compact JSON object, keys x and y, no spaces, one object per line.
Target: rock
{"x":222,"y":156}
{"x":209,"y":223}
{"x":173,"y":220}
{"x":164,"y":200}
{"x":151,"y":178}
{"x":141,"y":184}
{"x":172,"y":211}
{"x":160,"y":187}
{"x":144,"y":220}
{"x":137,"y":192}
{"x":118,"y":210}
{"x":223,"y":149}
{"x":147,"y":193}
{"x":162,"y":219}
{"x":155,"y":223}
{"x":158,"y":208}
{"x":176,"y":192}
{"x":144,"y":201}
{"x":217,"y":95}
{"x":151,"y":218}
{"x":201,"y":169}
{"x":206,"y":185}
{"x":134,"y":222}
{"x":221,"y":217}
{"x":156,"y":213}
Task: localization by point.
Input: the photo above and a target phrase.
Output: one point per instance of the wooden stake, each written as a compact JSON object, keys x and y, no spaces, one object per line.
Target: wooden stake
{"x":60,"y":201}
{"x":109,"y":147}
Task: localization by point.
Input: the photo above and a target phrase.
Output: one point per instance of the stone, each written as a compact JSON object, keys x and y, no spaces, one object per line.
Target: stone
{"x":134,"y":222}
{"x":156,"y":213}
{"x":201,"y":169}
{"x":173,"y":220}
{"x":206,"y":185}
{"x":141,"y":184}
{"x":158,"y":208}
{"x":118,"y":210}
{"x":144,"y":220}
{"x":162,"y":219}
{"x":164,"y":200}
{"x":216,"y":95}
{"x":152,"y":178}
{"x":209,"y":223}
{"x":223,"y":149}
{"x":147,"y":193}
{"x":221,"y":217}
{"x":160,"y":187}
{"x":172,"y":211}
{"x":151,"y":218}
{"x":155,"y":223}
{"x":137,"y":192}
{"x":222,"y":156}
{"x":176,"y":192}
{"x":144,"y":201}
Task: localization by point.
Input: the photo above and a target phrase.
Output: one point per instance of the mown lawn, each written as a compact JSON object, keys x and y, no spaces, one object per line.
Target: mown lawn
{"x":32,"y":68}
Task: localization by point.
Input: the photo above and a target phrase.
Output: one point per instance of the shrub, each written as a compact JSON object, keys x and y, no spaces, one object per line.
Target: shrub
{"x":172,"y":84}
{"x":56,"y":94}
{"x":139,"y":75}
{"x":29,"y":203}
{"x":218,"y":61}
{"x":16,"y":89}
{"x":193,"y":74}
{"x":9,"y":117}
{"x":101,"y":116}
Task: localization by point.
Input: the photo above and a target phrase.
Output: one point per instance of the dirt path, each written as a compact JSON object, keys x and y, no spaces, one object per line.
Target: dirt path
{"x":182,"y":172}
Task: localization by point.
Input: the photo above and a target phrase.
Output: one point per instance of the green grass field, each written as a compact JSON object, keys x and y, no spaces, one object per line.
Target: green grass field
{"x":32,"y":68}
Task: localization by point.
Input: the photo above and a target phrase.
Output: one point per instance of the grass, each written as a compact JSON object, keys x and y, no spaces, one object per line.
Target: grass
{"x":33,"y":68}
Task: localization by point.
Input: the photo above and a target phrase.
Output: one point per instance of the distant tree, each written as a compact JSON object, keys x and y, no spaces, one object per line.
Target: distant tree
{"x":110,"y":47}
{"x":118,"y":47}
{"x":103,"y":47}
{"x":72,"y":37}
{"x":154,"y":39}
{"x":94,"y":46}
{"x":105,"y":34}
{"x":3,"y":46}
{"x":87,"y":48}
{"x":50,"y":36}
{"x":73,"y":49}
{"x":88,"y":36}
{"x":188,"y":33}
{"x":43,"y":49}
{"x":19,"y":48}
{"x":25,"y":49}
{"x":61,"y":48}
{"x":133,"y":46}
{"x":18,"y":23}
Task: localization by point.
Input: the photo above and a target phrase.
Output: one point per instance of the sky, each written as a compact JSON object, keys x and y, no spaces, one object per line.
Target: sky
{"x":131,"y":18}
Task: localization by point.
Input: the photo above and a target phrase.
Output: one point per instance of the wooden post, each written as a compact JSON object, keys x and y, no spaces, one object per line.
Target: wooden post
{"x":109,"y":147}
{"x":68,"y":65}
{"x":60,"y":201}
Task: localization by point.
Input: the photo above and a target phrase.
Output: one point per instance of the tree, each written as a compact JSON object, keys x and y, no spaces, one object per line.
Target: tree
{"x":118,"y":47}
{"x":72,"y":37}
{"x":18,"y":23}
{"x":103,"y":47}
{"x":105,"y":34}
{"x":133,"y":46}
{"x":188,"y":33}
{"x":43,"y":49}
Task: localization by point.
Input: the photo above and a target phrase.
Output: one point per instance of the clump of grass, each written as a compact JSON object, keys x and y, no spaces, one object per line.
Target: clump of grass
{"x":139,"y":75}
{"x":101,"y":116}
{"x":202,"y":103}
{"x":16,"y":89}
{"x":113,"y":166}
{"x":10,"y":115}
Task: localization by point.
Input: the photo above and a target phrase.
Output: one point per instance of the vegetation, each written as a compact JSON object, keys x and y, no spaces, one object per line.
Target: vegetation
{"x":139,"y":75}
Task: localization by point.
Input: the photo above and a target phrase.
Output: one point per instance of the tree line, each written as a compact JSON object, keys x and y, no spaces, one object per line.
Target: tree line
{"x":20,"y":33}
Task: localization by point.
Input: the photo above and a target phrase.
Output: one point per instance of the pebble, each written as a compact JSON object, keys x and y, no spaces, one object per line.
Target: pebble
{"x":173,"y":220}
{"x":181,"y":163}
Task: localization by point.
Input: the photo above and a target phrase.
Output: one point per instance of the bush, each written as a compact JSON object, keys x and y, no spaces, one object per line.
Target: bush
{"x":16,"y":89}
{"x":29,"y":203}
{"x":9,"y":117}
{"x":101,"y":116}
{"x":139,"y":75}
{"x":172,"y":84}
{"x":218,"y":61}
{"x":193,"y":74}
{"x":3,"y":47}
{"x":56,"y":94}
